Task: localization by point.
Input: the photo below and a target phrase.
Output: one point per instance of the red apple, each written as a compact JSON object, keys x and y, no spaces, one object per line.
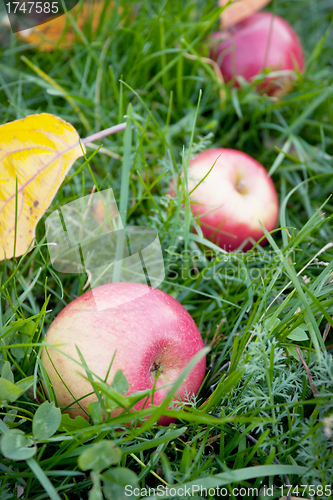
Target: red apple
{"x":234,"y":197}
{"x":146,"y":334}
{"x":261,"y":41}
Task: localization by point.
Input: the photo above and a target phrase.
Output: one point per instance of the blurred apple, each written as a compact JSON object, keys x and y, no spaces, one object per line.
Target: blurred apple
{"x":262,"y":41}
{"x":151,"y":335}
{"x":233,"y":198}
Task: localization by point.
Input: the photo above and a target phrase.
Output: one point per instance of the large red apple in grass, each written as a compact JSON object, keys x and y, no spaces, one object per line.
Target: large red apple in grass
{"x":233,"y":198}
{"x":147,"y":334}
{"x":262,"y":41}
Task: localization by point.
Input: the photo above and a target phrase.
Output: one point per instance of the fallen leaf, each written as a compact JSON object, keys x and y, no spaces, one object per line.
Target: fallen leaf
{"x":238,"y":10}
{"x":38,"y":151}
{"x":59,"y":33}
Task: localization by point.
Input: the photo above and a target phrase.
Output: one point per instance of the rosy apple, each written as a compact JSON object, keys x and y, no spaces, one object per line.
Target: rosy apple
{"x":147,"y":334}
{"x":233,"y":198}
{"x":262,"y":41}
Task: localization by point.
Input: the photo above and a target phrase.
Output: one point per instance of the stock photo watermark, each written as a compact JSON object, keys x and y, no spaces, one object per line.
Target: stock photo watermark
{"x":88,"y":235}
{"x":232,"y":492}
{"x":209,"y":265}
{"x":25,"y":15}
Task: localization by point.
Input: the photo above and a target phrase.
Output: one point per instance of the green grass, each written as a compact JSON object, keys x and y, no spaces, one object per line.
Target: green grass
{"x":260,"y":405}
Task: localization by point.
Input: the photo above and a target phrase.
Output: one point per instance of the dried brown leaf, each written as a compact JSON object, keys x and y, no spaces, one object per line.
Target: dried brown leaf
{"x":59,"y":33}
{"x":238,"y":10}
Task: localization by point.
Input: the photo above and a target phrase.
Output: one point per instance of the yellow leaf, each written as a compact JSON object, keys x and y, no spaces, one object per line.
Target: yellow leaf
{"x":59,"y":33}
{"x":38,"y":151}
{"x":238,"y":10}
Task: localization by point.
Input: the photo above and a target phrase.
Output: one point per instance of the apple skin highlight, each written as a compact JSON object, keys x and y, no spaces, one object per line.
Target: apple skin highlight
{"x":147,"y":332}
{"x":234,"y":197}
{"x":261,"y":41}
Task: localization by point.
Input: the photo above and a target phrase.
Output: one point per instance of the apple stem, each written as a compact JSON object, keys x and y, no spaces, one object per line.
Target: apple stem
{"x":241,"y":186}
{"x":156,"y":368}
{"x":104,"y":133}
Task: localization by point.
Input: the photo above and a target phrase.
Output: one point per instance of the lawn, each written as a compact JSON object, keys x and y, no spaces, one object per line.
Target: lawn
{"x":262,"y":424}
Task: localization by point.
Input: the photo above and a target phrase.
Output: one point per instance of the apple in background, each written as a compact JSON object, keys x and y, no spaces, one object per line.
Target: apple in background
{"x":234,"y":197}
{"x":261,"y":41}
{"x":148,"y":333}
